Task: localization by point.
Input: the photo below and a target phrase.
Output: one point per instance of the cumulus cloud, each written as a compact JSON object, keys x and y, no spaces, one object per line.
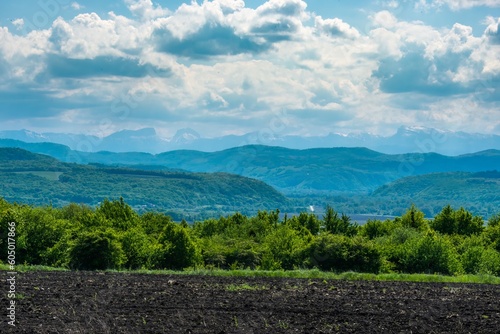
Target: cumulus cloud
{"x":335,"y":28}
{"x":76,"y":6}
{"x":493,"y":30}
{"x":225,"y":63}
{"x":228,"y":28}
{"x":18,"y":23}
{"x":145,"y":9}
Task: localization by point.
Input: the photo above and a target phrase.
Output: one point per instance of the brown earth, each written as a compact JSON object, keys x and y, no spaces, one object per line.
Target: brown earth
{"x":91,"y":302}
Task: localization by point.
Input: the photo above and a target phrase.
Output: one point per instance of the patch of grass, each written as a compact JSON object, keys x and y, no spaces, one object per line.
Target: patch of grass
{"x":245,"y":286}
{"x":300,"y":273}
{"x":283,"y":324}
{"x":24,"y":268}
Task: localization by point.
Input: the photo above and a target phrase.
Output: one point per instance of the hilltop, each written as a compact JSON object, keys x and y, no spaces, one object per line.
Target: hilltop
{"x":38,"y":179}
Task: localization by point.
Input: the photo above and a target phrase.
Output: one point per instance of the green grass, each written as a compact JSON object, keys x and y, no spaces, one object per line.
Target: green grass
{"x":245,"y":287}
{"x":24,"y":268}
{"x":305,"y":274}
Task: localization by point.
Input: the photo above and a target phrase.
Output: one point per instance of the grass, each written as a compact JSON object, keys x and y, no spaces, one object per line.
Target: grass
{"x":245,"y":287}
{"x":306,"y":274}
{"x":24,"y":268}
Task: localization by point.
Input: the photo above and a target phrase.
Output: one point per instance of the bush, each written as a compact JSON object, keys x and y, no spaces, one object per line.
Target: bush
{"x":414,"y":218}
{"x":284,"y":248}
{"x":96,"y":250}
{"x":176,"y":249}
{"x":471,"y":259}
{"x":138,"y":247}
{"x":373,"y":229}
{"x":490,"y":262}
{"x":460,"y":221}
{"x":341,"y":253}
{"x":430,"y":254}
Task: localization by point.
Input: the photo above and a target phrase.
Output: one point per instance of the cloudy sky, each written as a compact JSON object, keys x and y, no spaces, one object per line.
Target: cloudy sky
{"x":231,"y":67}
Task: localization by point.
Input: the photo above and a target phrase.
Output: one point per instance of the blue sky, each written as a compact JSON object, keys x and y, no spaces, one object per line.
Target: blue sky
{"x":232,"y":66}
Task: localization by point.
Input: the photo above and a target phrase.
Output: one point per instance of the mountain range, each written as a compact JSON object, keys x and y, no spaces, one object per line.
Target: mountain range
{"x":319,"y":171}
{"x":405,"y":140}
{"x":353,"y":180}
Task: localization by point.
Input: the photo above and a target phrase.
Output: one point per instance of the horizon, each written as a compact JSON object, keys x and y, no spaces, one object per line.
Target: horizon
{"x":228,"y":67}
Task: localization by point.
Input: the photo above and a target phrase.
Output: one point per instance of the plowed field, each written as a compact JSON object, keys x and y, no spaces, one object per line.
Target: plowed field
{"x":91,"y":302}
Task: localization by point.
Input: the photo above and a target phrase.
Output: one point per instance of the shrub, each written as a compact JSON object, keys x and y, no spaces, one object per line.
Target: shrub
{"x":284,"y":248}
{"x":176,"y":249}
{"x":460,"y":221}
{"x":96,"y":250}
{"x":414,"y":218}
{"x":138,"y":248}
{"x":430,"y":254}
{"x":341,"y":253}
{"x":490,"y":262}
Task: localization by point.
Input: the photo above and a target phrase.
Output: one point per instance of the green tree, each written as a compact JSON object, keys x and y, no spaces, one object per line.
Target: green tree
{"x":444,"y":222}
{"x":177,"y":249}
{"x":153,"y":223}
{"x":139,"y":248}
{"x":40,"y":230}
{"x":431,"y":254}
{"x":467,"y":224}
{"x":373,"y":229}
{"x":341,"y":253}
{"x":461,"y":221}
{"x":414,"y":218}
{"x":284,"y":248}
{"x":338,"y":225}
{"x":97,"y":249}
{"x":119,"y":213}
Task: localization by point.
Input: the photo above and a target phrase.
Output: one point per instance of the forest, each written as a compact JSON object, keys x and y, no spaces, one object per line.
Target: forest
{"x":114,"y":236}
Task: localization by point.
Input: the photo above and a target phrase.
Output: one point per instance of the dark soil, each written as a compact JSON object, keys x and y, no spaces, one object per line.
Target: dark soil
{"x":90,"y":302}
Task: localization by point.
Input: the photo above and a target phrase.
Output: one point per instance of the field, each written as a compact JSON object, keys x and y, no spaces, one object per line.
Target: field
{"x":108,"y":302}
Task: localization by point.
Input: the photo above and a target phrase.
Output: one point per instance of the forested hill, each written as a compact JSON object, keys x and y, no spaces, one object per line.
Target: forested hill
{"x":38,"y":179}
{"x":478,"y":192}
{"x":302,"y":172}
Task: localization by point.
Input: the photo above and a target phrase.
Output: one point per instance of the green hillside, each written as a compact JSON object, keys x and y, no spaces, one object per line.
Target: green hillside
{"x":37,"y":179}
{"x":325,"y":171}
{"x":478,"y":192}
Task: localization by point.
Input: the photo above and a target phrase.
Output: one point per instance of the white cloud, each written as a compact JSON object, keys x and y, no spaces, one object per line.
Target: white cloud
{"x":456,"y":4}
{"x":18,"y":23}
{"x":76,"y":6}
{"x":335,"y":28}
{"x":384,"y":19}
{"x":493,"y":29}
{"x":145,"y":10}
{"x":223,"y":63}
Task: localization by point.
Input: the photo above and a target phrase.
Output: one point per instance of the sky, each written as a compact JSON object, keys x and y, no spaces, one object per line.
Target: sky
{"x":231,"y":66}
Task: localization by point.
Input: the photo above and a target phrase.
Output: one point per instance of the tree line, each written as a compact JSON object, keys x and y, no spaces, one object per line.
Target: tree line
{"x":114,"y":236}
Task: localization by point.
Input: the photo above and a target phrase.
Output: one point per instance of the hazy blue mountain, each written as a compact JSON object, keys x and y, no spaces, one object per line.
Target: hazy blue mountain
{"x":406,"y":139}
{"x":299,"y":172}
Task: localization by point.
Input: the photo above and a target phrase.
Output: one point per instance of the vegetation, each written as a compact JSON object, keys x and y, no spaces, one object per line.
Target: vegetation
{"x":431,"y":192}
{"x":321,"y":171}
{"x":39,"y":180}
{"x":113,"y":236}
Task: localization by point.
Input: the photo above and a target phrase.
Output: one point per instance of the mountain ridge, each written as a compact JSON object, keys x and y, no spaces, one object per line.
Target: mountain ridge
{"x":38,"y":179}
{"x":413,"y":139}
{"x":308,"y":171}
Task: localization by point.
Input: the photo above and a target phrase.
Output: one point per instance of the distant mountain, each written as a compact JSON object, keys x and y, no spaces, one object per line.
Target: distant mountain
{"x":293,"y":172}
{"x":478,"y":192}
{"x":31,"y":178}
{"x":405,"y":140}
